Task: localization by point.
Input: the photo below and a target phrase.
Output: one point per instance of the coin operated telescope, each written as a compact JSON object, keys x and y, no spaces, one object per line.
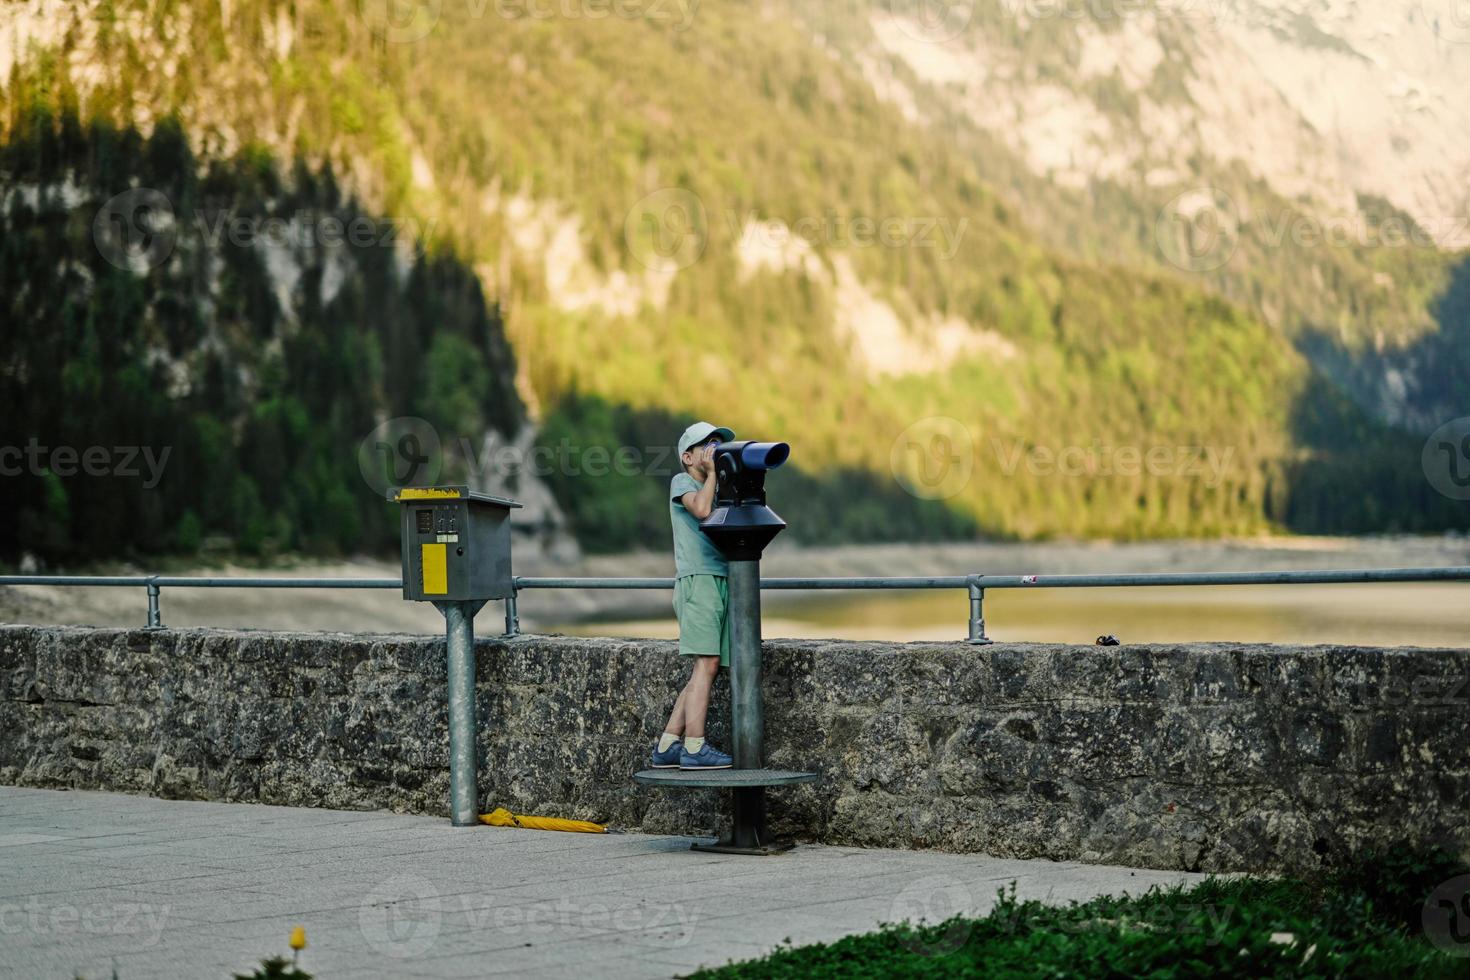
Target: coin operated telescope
{"x":741,"y":525}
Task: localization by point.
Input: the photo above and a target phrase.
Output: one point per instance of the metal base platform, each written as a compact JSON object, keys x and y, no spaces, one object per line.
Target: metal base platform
{"x":726,"y":846}
{"x":722,"y":778}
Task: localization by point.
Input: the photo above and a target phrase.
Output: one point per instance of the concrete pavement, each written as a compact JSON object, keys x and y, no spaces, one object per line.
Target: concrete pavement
{"x":90,"y":882}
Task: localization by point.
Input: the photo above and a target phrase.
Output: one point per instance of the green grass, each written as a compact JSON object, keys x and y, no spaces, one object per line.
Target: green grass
{"x":1364,"y":921}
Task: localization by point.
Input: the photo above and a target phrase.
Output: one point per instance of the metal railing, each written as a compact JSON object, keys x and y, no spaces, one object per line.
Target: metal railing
{"x":974,"y":584}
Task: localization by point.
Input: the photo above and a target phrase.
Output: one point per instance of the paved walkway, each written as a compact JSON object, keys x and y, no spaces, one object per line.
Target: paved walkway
{"x":163,"y":888}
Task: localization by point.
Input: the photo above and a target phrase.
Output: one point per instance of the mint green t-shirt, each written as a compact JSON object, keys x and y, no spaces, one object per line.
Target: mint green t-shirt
{"x":694,"y":552}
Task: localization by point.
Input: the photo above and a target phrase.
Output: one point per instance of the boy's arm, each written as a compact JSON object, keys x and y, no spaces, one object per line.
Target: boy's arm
{"x":699,"y":503}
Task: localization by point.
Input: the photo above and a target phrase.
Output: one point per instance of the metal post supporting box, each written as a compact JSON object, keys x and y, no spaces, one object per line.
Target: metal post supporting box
{"x":456,"y":544}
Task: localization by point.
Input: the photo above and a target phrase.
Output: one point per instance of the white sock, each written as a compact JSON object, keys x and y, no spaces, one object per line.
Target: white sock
{"x":665,"y":740}
{"x":693,"y":745}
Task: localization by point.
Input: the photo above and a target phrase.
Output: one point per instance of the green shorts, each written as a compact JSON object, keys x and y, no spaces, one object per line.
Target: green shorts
{"x":702,"y":603}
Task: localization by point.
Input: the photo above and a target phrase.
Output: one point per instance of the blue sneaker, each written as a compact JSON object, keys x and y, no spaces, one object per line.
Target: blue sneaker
{"x":708,"y":757}
{"x":668,"y":759}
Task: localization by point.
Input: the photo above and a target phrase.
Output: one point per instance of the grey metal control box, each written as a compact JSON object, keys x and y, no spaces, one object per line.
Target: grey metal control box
{"x":456,"y":543}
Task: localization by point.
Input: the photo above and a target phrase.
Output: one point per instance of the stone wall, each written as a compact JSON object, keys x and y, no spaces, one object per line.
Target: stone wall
{"x":1204,"y":756}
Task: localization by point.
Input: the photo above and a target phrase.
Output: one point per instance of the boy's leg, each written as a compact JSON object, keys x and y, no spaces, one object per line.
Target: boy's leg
{"x":699,"y":603}
{"x":679,"y":728}
{"x":675,"y":724}
{"x":684,"y":719}
{"x":695,"y":696}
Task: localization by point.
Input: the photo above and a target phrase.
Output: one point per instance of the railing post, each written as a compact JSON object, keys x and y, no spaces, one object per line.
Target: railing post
{"x":512,"y":617}
{"x":155,"y":617}
{"x":977,"y":612}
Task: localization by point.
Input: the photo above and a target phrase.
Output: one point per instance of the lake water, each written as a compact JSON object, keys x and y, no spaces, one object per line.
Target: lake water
{"x":1430,"y":614}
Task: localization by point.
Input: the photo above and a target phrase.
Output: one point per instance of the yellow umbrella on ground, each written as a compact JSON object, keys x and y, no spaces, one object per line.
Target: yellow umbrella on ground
{"x":501,"y":817}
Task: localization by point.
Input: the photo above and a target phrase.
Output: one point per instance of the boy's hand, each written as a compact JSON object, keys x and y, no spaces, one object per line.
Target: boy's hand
{"x":707,"y":459}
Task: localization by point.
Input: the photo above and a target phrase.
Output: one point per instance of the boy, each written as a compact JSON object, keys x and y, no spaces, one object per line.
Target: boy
{"x":701,"y":601}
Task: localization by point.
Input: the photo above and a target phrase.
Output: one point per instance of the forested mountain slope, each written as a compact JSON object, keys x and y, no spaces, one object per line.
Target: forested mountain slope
{"x":695,"y":211}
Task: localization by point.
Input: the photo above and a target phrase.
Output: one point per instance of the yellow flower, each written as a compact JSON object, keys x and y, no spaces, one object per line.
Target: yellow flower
{"x":298,"y":938}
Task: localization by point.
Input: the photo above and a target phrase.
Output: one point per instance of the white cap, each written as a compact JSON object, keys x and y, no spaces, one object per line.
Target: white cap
{"x":699,"y":432}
